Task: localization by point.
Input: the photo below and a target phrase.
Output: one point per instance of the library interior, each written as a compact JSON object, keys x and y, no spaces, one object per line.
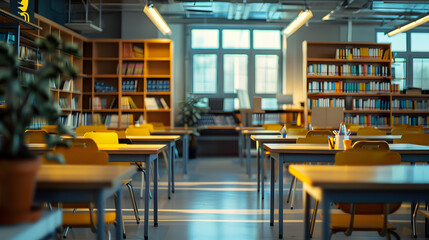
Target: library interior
{"x":214,"y":120}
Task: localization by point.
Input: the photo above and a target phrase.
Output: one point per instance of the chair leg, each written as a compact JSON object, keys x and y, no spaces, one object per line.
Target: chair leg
{"x":133,"y":201}
{"x":66,"y":231}
{"x":415,"y":220}
{"x":313,"y":219}
{"x":293,"y":194}
{"x":290,"y":189}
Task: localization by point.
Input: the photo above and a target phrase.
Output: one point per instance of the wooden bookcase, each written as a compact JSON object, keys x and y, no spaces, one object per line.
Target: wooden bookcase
{"x":119,"y":72}
{"x":349,"y":75}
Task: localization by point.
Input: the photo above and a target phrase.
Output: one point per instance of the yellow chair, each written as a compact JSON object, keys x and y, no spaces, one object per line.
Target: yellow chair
{"x":272,"y":126}
{"x":35,"y":136}
{"x":83,"y":154}
{"x":414,"y":138}
{"x":146,"y":125}
{"x":364,"y":217}
{"x":158,"y":125}
{"x":316,"y":137}
{"x":296,"y":131}
{"x":398,"y":129}
{"x":50,"y":128}
{"x":81,"y":130}
{"x":369,"y":131}
{"x":144,"y":131}
{"x":408,"y":130}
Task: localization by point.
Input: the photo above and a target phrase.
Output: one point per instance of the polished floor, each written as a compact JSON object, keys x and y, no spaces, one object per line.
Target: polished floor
{"x":217,"y":200}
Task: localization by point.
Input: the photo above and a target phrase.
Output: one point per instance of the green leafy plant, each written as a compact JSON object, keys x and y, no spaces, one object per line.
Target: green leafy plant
{"x":31,"y":98}
{"x":190,"y":112}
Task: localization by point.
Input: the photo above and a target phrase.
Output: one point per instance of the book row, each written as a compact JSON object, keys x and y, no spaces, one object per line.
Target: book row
{"x":132,"y":68}
{"x":109,"y":120}
{"x":367,"y":120}
{"x":326,"y":102}
{"x":348,"y":87}
{"x":153,"y":103}
{"x":70,"y":120}
{"x":131,"y":51}
{"x":347,"y":70}
{"x":129,"y":85}
{"x":157,"y":85}
{"x":362,"y":53}
{"x":370,"y":104}
{"x":408,"y":104}
{"x":103,"y":87}
{"x":411,"y":120}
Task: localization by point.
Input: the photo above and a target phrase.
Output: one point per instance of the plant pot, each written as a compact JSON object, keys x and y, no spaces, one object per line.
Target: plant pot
{"x":17,"y":184}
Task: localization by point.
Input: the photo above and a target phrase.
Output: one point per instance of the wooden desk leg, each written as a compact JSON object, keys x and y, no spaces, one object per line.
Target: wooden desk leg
{"x":326,"y":231}
{"x":172,"y":165}
{"x":259,"y":166}
{"x":101,"y":224}
{"x":146,"y":200}
{"x":155,"y":192}
{"x":280,"y":197}
{"x":262,"y":158}
{"x":307,"y":216}
{"x":272,"y":192}
{"x":119,"y":221}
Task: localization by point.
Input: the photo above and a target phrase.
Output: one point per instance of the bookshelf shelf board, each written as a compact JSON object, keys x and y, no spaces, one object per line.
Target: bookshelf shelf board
{"x":133,"y":110}
{"x":158,"y":76}
{"x":158,"y":110}
{"x":410,"y":111}
{"x":410,"y":95}
{"x":2,"y":106}
{"x":132,"y":76}
{"x":66,"y":110}
{"x":76,"y":93}
{"x":64,"y":91}
{"x":317,"y":95}
{"x":105,"y":76}
{"x":52,"y":89}
{"x":76,"y":110}
{"x":158,"y":93}
{"x":115,"y":110}
{"x":87,"y":58}
{"x":132,"y":93}
{"x":106,"y":59}
{"x":106,"y":93}
{"x":158,"y":59}
{"x":133,"y":59}
{"x":87,"y":93}
{"x":362,"y":60}
{"x":349,"y":77}
{"x":367,"y":111}
{"x":86,"y":110}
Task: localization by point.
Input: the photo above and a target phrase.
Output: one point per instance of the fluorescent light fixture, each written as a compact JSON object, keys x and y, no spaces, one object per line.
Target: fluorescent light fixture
{"x":302,"y":18}
{"x":156,"y":19}
{"x":409,"y":26}
{"x":328,"y":16}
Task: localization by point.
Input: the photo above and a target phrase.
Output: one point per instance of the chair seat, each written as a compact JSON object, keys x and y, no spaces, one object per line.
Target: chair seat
{"x":341,"y":222}
{"x":82,"y":219}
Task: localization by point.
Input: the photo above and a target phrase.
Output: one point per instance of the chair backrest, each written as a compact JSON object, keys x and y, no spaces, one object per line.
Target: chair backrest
{"x":398,"y":129}
{"x":414,"y":138}
{"x":369,"y":131}
{"x":296,"y":131}
{"x":359,"y":156}
{"x":158,"y":126}
{"x":137,"y":131}
{"x":319,"y":133}
{"x":272,"y":126}
{"x":146,"y":125}
{"x":81,"y":130}
{"x":50,"y":128}
{"x":35,"y":136}
{"x":103,"y":137}
{"x":313,"y":140}
{"x":371,"y":145}
{"x":85,"y":143}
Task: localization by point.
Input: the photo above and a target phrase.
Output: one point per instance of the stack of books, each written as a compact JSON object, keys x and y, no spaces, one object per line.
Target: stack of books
{"x":158,"y":85}
{"x":103,"y":87}
{"x":152,"y":103}
{"x":132,"y":68}
{"x":129,"y":85}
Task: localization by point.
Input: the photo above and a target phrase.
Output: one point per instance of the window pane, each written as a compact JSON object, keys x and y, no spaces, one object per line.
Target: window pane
{"x":399,"y":68}
{"x":399,"y":41}
{"x":419,"y":42}
{"x":421,"y":73}
{"x":266,"y":39}
{"x":266,"y":73}
{"x":230,"y":104}
{"x":236,"y":39}
{"x":234,"y":72}
{"x":205,"y":38}
{"x":204,"y":73}
{"x":269,"y":104}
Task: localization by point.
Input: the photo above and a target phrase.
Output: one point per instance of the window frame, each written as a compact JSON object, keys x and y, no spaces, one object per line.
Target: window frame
{"x":220,"y":61}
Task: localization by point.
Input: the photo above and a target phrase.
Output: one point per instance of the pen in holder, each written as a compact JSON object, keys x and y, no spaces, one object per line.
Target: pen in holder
{"x":331,"y":142}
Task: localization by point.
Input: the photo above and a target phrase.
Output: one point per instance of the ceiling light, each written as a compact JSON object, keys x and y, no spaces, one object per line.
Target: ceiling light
{"x":328,"y":16}
{"x":156,"y":19}
{"x":409,"y":26}
{"x":302,"y":18}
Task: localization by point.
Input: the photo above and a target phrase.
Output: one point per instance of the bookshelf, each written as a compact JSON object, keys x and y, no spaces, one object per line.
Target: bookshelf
{"x":127,"y":80}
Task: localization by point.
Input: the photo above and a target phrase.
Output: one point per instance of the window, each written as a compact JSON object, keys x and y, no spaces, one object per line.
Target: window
{"x":398,"y":41}
{"x":400,"y":72}
{"x":419,"y":42}
{"x":224,"y":59}
{"x":421,"y":73}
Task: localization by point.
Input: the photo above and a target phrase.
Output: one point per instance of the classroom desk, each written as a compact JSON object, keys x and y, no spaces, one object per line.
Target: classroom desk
{"x":84,"y":183}
{"x":131,"y":153}
{"x":246,"y":136}
{"x":241,"y":139}
{"x":184,"y":135}
{"x":314,"y":153}
{"x":170,"y":141}
{"x":359,"y":184}
{"x":45,"y":226}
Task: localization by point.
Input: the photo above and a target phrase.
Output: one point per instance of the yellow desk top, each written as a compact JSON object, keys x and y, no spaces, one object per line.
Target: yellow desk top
{"x":152,"y":138}
{"x":115,"y":148}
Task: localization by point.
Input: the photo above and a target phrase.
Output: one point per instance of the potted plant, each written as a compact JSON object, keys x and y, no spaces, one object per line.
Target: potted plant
{"x":189,"y":114}
{"x":27,"y":99}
